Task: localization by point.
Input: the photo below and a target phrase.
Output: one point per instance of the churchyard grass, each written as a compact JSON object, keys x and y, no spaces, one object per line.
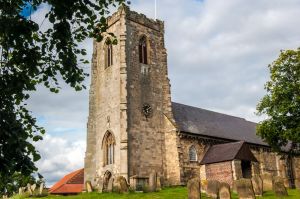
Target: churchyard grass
{"x":166,"y":193}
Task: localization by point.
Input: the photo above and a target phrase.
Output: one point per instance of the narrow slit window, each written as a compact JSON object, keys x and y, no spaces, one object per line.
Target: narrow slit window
{"x":109,"y":56}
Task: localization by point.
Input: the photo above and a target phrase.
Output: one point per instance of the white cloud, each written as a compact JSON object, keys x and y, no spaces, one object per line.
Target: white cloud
{"x":223,"y":47}
{"x":59,"y":157}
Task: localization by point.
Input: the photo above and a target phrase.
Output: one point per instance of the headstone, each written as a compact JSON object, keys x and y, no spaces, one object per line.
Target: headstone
{"x":33,"y":188}
{"x":257,"y":185}
{"x":193,"y":187}
{"x":42,"y":185}
{"x":110,"y":184}
{"x":212,"y":188}
{"x":267,"y":179}
{"x":88,"y":186}
{"x":29,"y":189}
{"x":158,"y":184}
{"x":152,"y":181}
{"x":278,"y":187}
{"x":120,"y":185}
{"x":224,"y":191}
{"x":244,"y":188}
{"x":21,"y":192}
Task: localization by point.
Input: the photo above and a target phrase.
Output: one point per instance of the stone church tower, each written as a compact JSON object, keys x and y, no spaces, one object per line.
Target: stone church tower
{"x":131,"y":129}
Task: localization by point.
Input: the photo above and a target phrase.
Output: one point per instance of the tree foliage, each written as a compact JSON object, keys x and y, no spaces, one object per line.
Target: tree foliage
{"x":281,"y":130}
{"x":30,"y":56}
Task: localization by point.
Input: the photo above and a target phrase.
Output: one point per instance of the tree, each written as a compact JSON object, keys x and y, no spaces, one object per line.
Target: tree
{"x":30,"y":56}
{"x":281,"y":130}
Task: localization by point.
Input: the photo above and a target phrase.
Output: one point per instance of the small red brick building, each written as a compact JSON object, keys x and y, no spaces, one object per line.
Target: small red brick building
{"x":228,"y":162}
{"x":73,"y":183}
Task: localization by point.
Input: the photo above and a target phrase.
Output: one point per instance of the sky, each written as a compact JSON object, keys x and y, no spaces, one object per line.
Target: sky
{"x":218,"y":53}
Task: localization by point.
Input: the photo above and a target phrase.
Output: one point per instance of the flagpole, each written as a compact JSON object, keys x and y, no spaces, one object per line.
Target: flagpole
{"x":155,"y":9}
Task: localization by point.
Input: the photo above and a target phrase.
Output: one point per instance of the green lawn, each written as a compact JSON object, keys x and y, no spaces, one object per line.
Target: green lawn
{"x":167,"y":193}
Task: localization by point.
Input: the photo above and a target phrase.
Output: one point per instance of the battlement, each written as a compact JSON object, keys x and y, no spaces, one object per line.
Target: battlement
{"x":124,"y":11}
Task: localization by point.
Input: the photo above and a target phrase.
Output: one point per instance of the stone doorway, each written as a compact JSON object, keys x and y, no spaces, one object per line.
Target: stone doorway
{"x":106,"y":181}
{"x":246,"y":168}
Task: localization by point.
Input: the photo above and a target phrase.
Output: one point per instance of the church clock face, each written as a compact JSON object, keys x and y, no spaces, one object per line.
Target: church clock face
{"x":147,"y":110}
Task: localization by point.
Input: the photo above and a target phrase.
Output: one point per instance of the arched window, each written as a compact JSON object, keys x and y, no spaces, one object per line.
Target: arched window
{"x":143,"y":50}
{"x":108,"y":55}
{"x":193,"y":153}
{"x":108,"y":146}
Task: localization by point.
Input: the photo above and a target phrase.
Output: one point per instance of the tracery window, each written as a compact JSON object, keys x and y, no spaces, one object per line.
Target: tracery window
{"x":143,"y":50}
{"x":193,"y":153}
{"x":108,"y":146}
{"x":108,"y":55}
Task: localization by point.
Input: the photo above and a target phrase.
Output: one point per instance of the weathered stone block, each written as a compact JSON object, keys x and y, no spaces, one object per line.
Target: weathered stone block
{"x":212,"y":188}
{"x":267,"y":179}
{"x":224,"y":191}
{"x":193,"y":187}
{"x":257,"y":185}
{"x":244,"y":188}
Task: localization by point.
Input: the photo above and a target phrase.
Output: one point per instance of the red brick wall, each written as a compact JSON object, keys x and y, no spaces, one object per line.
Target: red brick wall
{"x":220,"y":171}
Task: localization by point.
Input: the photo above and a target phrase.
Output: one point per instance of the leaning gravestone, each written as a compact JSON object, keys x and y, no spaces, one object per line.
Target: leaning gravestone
{"x":21,"y":191}
{"x":212,"y":188}
{"x":88,"y":186}
{"x":224,"y":191}
{"x":244,"y":188}
{"x":257,"y":185}
{"x":278,"y":187}
{"x":267,"y":179}
{"x":193,"y":187}
{"x":152,"y":181}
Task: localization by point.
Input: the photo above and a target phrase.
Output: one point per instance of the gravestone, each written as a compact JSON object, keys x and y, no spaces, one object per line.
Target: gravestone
{"x":42,"y":185}
{"x":267,"y":179}
{"x":21,"y":191}
{"x":29,"y":189}
{"x":193,"y":187}
{"x":224,"y":191}
{"x":244,"y":188}
{"x":120,"y":185}
{"x":88,"y":186}
{"x":212,"y":188}
{"x":158,"y":184}
{"x":278,"y":187}
{"x":33,"y":188}
{"x":257,"y":185}
{"x":152,"y":181}
{"x":110,"y":184}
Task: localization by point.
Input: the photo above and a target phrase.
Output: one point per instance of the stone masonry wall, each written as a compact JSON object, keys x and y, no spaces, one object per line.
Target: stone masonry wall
{"x":148,"y":83}
{"x":105,"y":113}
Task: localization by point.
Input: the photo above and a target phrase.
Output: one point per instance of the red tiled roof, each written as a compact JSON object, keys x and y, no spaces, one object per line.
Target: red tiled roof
{"x":69,"y":184}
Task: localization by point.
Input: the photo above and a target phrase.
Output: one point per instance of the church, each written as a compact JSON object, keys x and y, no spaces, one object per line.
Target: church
{"x":134,"y":128}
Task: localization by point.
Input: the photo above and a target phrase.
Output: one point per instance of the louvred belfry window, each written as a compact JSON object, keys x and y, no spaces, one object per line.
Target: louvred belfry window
{"x":143,"y":50}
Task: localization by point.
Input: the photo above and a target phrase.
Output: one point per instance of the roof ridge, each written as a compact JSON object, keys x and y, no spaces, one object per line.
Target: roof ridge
{"x":241,"y":118}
